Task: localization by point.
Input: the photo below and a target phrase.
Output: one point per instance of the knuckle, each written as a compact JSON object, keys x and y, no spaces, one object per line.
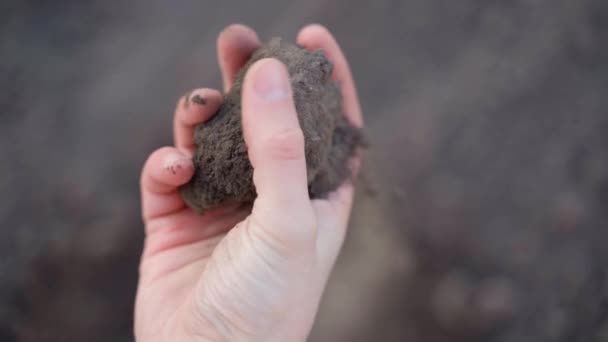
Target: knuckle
{"x":149,"y":164}
{"x":287,"y":145}
{"x":159,"y":154}
{"x":145,"y":170}
{"x":155,"y":157}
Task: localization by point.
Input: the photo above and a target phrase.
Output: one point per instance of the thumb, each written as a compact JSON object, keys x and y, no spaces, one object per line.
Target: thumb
{"x":275,"y":144}
{"x":264,"y":266}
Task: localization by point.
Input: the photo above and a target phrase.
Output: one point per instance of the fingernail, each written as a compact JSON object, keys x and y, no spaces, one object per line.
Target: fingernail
{"x":271,"y":81}
{"x":174,"y":163}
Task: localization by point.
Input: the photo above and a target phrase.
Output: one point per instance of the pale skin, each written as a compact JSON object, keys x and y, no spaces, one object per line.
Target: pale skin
{"x":242,"y":272}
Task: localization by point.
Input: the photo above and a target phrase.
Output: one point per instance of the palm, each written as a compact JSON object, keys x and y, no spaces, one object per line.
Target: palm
{"x":175,"y":266}
{"x":177,"y":263}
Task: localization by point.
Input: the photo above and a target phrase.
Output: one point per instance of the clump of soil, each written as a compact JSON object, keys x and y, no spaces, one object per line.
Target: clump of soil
{"x":223,"y":172}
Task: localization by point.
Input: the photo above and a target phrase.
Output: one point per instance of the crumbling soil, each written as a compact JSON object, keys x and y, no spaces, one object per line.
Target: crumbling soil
{"x":223,"y":171}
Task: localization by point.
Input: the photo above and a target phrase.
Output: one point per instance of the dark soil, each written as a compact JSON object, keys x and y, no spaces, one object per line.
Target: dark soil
{"x":223,"y":171}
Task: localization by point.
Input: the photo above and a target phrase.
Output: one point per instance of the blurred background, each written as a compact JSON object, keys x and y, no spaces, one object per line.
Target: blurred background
{"x":482,"y":210}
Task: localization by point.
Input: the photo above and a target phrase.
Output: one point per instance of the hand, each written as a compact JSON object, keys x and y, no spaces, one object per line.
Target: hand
{"x":239,"y":273}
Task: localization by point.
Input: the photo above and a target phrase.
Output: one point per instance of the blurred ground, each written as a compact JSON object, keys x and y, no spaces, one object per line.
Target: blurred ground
{"x":482,"y":209}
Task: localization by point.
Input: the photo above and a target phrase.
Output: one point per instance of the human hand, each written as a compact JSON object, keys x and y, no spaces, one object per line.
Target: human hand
{"x":239,"y":273}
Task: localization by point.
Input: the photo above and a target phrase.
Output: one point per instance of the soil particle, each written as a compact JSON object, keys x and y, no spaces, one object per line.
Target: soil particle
{"x":199,"y":99}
